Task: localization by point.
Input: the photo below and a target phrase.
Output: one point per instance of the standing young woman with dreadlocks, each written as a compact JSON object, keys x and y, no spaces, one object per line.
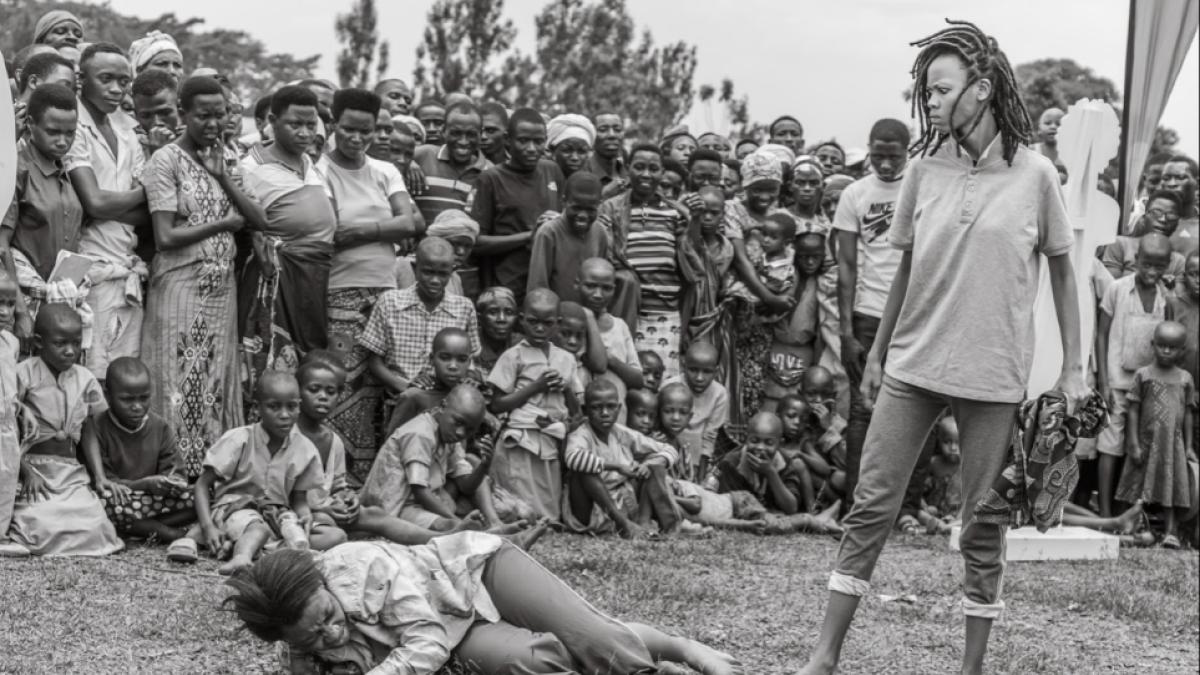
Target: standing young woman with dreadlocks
{"x":974,"y":215}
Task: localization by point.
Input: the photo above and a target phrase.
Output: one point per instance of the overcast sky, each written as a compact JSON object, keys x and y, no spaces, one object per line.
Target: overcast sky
{"x":838,"y":66}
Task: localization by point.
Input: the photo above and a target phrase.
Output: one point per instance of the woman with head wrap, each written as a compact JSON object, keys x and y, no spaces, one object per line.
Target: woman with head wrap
{"x":762,"y":176}
{"x":570,"y":139}
{"x":58,"y":28}
{"x":461,"y":231}
{"x":831,"y":155}
{"x":157,"y":51}
{"x":497,"y":310}
{"x":678,"y":144}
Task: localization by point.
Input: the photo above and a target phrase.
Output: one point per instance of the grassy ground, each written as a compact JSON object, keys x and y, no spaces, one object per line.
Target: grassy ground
{"x":759,"y":598}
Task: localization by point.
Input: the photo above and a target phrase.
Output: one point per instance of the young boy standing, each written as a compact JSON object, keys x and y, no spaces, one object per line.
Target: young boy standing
{"x":867,"y":264}
{"x":508,"y":200}
{"x":259,"y":470}
{"x":710,"y":410}
{"x":1132,"y":307}
{"x":537,"y":384}
{"x":618,"y":476}
{"x":561,"y":245}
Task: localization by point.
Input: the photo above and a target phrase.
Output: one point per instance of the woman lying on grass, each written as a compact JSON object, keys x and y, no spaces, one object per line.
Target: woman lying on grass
{"x":471,"y":597}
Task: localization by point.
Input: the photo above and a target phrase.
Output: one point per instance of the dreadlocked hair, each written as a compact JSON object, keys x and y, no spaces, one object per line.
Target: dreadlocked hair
{"x":983,"y":59}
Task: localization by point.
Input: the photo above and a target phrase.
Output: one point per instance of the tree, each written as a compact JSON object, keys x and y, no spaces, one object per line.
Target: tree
{"x":735,"y":111}
{"x":462,"y":40}
{"x":1059,"y":83}
{"x":587,"y":60}
{"x":358,"y":32}
{"x":233,"y":53}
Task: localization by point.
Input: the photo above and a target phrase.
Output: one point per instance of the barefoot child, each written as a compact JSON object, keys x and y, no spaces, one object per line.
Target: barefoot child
{"x":597,"y":284}
{"x":1132,"y":306}
{"x":652,"y":369}
{"x":618,"y":476}
{"x":148,"y":495}
{"x":422,"y":474}
{"x":535,"y":383}
{"x":759,"y":468}
{"x":710,"y":405}
{"x":1158,"y":438}
{"x":260,"y":471}
{"x":56,"y":512}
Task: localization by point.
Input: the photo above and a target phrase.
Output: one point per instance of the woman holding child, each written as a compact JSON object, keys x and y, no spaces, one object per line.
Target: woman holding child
{"x":975,"y":215}
{"x":190,"y":334}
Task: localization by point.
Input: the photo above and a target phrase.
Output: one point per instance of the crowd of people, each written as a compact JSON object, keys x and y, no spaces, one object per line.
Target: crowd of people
{"x":444,"y":323}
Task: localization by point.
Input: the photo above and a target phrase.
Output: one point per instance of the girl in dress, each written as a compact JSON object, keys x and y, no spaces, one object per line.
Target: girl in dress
{"x":1158,"y":441}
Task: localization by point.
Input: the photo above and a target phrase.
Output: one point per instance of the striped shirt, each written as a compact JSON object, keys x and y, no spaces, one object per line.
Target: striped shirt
{"x":644,"y":236}
{"x":446,"y":186}
{"x":586,"y":453}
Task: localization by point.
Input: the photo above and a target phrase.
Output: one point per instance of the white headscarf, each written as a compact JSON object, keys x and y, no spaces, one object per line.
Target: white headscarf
{"x":570,"y":125}
{"x":143,"y":50}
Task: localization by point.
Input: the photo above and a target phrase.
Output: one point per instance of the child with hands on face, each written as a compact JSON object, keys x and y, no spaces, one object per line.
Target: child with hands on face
{"x":536,"y":383}
{"x":618,"y":476}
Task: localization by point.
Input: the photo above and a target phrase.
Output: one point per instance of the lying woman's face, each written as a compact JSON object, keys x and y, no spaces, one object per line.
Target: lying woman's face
{"x":321,"y":627}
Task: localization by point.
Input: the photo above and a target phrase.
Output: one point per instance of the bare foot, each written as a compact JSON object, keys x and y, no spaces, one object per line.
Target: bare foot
{"x":235,"y":565}
{"x":525,"y":540}
{"x":665,"y":668}
{"x":510,"y":528}
{"x":1127,"y":523}
{"x":631,"y":530}
{"x":473,"y":522}
{"x":709,"y":661}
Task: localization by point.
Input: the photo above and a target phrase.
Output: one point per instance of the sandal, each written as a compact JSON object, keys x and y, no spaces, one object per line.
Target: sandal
{"x":1171,"y":542}
{"x":183,"y":550}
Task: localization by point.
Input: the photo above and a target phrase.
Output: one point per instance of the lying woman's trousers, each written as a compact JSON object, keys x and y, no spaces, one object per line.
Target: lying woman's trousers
{"x":903,"y":418}
{"x":546,"y":627}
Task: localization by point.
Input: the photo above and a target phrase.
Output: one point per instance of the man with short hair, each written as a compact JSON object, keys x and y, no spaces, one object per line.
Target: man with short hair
{"x":451,"y":170}
{"x":105,"y":164}
{"x":608,"y":152}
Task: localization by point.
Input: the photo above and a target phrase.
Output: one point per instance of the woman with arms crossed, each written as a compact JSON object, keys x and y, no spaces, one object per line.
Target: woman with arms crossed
{"x":973,"y":218}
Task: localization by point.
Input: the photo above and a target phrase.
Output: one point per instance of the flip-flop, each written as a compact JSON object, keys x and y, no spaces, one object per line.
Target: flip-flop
{"x":1171,"y":542}
{"x":183,"y":550}
{"x":910,"y":525}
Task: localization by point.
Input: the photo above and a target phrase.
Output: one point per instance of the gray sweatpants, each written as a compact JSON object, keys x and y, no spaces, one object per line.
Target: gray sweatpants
{"x":903,"y":418}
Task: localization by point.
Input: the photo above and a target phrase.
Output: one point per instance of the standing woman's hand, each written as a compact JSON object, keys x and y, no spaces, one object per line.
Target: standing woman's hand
{"x":212,"y":159}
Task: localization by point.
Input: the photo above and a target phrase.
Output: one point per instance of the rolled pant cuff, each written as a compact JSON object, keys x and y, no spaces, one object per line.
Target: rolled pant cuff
{"x":848,"y":585}
{"x":982,"y":610}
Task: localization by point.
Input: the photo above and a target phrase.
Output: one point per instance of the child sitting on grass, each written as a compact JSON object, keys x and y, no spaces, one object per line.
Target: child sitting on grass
{"x":653,"y":369}
{"x":1158,"y":436}
{"x":597,"y":285}
{"x":56,"y":512}
{"x":148,"y":495}
{"x":536,"y":384}
{"x":450,"y":362}
{"x":422,"y":475}
{"x":256,"y":479}
{"x":675,"y":404}
{"x":710,"y":405}
{"x":618,"y":476}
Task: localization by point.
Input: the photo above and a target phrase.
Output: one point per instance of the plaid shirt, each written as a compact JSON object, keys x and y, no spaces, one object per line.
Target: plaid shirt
{"x":401,"y":330}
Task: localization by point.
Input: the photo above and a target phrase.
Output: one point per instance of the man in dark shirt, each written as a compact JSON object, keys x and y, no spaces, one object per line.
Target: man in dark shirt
{"x":509,"y":199}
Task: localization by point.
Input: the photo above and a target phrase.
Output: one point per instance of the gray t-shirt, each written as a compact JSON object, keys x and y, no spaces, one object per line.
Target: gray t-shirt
{"x":976,"y":232}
